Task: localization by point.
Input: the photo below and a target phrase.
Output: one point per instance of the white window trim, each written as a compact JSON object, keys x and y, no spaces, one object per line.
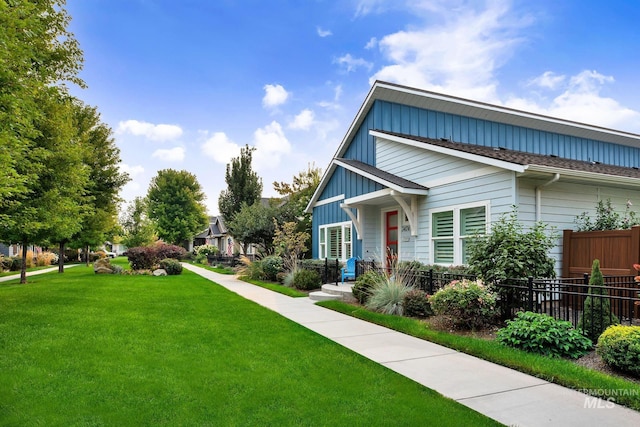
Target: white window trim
{"x":346,"y":254}
{"x":457,"y":238}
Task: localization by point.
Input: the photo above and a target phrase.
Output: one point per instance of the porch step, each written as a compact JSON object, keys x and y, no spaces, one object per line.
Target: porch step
{"x":331,"y":291}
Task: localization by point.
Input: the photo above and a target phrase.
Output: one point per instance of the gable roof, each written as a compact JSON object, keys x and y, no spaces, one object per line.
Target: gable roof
{"x":382,"y":177}
{"x":424,"y":99}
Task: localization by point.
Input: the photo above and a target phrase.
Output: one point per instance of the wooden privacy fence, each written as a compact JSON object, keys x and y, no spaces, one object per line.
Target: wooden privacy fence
{"x":617,"y":251}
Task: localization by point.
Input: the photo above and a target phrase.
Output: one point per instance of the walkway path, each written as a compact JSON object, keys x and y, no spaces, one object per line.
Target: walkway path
{"x":501,"y":393}
{"x":33,"y":273}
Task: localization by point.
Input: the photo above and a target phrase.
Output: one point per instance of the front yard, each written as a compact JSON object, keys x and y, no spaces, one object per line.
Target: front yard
{"x":85,"y":349}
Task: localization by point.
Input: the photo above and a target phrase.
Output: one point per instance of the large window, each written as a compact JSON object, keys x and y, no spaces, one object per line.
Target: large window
{"x":451,"y":229}
{"x":335,"y":241}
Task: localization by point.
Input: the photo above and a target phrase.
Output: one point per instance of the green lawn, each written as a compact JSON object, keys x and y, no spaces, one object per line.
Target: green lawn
{"x":85,"y":349}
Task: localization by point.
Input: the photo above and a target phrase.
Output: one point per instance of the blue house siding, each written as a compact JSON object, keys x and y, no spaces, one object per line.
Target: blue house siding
{"x":405,"y":119}
{"x":432,"y":124}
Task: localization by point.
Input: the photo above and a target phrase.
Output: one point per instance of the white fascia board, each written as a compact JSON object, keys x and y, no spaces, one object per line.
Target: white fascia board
{"x":382,"y":181}
{"x":449,"y":152}
{"x":586,"y":175}
{"x":323,"y":183}
{"x":369,"y":196}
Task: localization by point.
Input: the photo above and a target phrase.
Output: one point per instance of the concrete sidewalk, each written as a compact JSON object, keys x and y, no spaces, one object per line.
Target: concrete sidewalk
{"x":503,"y":394}
{"x":34,"y":273}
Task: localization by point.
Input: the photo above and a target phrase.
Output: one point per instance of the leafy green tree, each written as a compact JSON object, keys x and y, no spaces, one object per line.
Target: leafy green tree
{"x":176,"y":206}
{"x":52,"y":209}
{"x":296,"y":197}
{"x":137,"y":228}
{"x":510,"y":252}
{"x":101,"y":157}
{"x":38,"y":55}
{"x":596,"y":314}
{"x":244,"y":187}
{"x":37,"y":52}
{"x":253,"y":225}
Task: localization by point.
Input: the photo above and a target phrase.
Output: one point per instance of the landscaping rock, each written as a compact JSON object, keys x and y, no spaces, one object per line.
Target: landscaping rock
{"x":102,"y":266}
{"x":160,"y":272}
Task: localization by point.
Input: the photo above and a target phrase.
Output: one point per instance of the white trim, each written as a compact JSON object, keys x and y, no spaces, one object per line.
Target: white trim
{"x":586,"y":175}
{"x":343,"y":225}
{"x":329,"y":200}
{"x":356,"y":219}
{"x":450,"y":152}
{"x":457,"y":239}
{"x":411,"y":212}
{"x":382,"y":181}
{"x":368,"y":196}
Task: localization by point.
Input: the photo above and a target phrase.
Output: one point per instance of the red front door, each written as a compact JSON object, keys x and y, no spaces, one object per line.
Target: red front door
{"x":391,"y":235}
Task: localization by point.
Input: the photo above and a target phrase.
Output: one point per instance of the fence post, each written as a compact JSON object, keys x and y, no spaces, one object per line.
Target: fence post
{"x":530,"y":293}
{"x":325,"y":279}
{"x":337,"y":270}
{"x":430,"y":281}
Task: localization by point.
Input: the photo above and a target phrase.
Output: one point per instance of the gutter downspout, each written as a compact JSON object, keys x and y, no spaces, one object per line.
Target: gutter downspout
{"x":555,"y":178}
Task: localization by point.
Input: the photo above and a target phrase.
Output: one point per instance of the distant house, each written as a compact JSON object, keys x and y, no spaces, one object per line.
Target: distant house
{"x":418,"y":173}
{"x":216,"y":234}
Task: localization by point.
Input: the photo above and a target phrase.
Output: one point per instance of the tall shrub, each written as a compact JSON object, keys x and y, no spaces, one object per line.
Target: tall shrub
{"x":596,"y":315}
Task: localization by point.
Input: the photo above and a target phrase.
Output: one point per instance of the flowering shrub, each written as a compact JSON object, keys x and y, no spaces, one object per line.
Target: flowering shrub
{"x":468,"y":304}
{"x":271,"y":266}
{"x":203,"y":252}
{"x":607,"y":218}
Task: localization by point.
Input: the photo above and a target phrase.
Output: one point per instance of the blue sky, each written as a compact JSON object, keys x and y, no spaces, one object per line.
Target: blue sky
{"x":185,"y":84}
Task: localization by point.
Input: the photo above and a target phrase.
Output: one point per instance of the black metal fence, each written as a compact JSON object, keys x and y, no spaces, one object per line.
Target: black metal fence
{"x":561,"y":298}
{"x":230,"y":261}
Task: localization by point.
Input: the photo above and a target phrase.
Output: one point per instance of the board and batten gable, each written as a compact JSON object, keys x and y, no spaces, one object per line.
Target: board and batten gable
{"x":432,"y":124}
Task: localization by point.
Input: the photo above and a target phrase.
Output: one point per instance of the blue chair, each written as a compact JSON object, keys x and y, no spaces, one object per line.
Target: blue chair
{"x":349,"y":272}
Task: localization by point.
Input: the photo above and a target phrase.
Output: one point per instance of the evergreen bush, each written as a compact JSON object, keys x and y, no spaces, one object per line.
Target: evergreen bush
{"x":596,"y":313}
{"x":416,"y":304}
{"x":619,"y":347}
{"x":171,"y":266}
{"x":307,"y":280}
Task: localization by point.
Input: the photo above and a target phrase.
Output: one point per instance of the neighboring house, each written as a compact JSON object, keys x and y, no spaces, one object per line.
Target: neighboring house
{"x":216,"y":234}
{"x":418,"y":173}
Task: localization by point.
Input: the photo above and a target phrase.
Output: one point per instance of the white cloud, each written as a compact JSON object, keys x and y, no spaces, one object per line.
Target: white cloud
{"x":323,"y":33}
{"x":304,"y":120}
{"x":460,"y":54}
{"x":274,"y":95}
{"x":220,"y":148}
{"x":160,"y":132}
{"x":366,"y":7}
{"x":133,"y":171}
{"x":580,"y":100}
{"x":134,"y":185}
{"x":271,"y":145}
{"x":548,"y":80}
{"x":349,"y":63}
{"x":372,"y":43}
{"x":175,"y":154}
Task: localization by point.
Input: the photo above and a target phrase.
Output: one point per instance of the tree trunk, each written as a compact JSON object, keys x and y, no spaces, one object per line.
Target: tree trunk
{"x":61,"y":258}
{"x":23,"y":268}
{"x":86,"y":254}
